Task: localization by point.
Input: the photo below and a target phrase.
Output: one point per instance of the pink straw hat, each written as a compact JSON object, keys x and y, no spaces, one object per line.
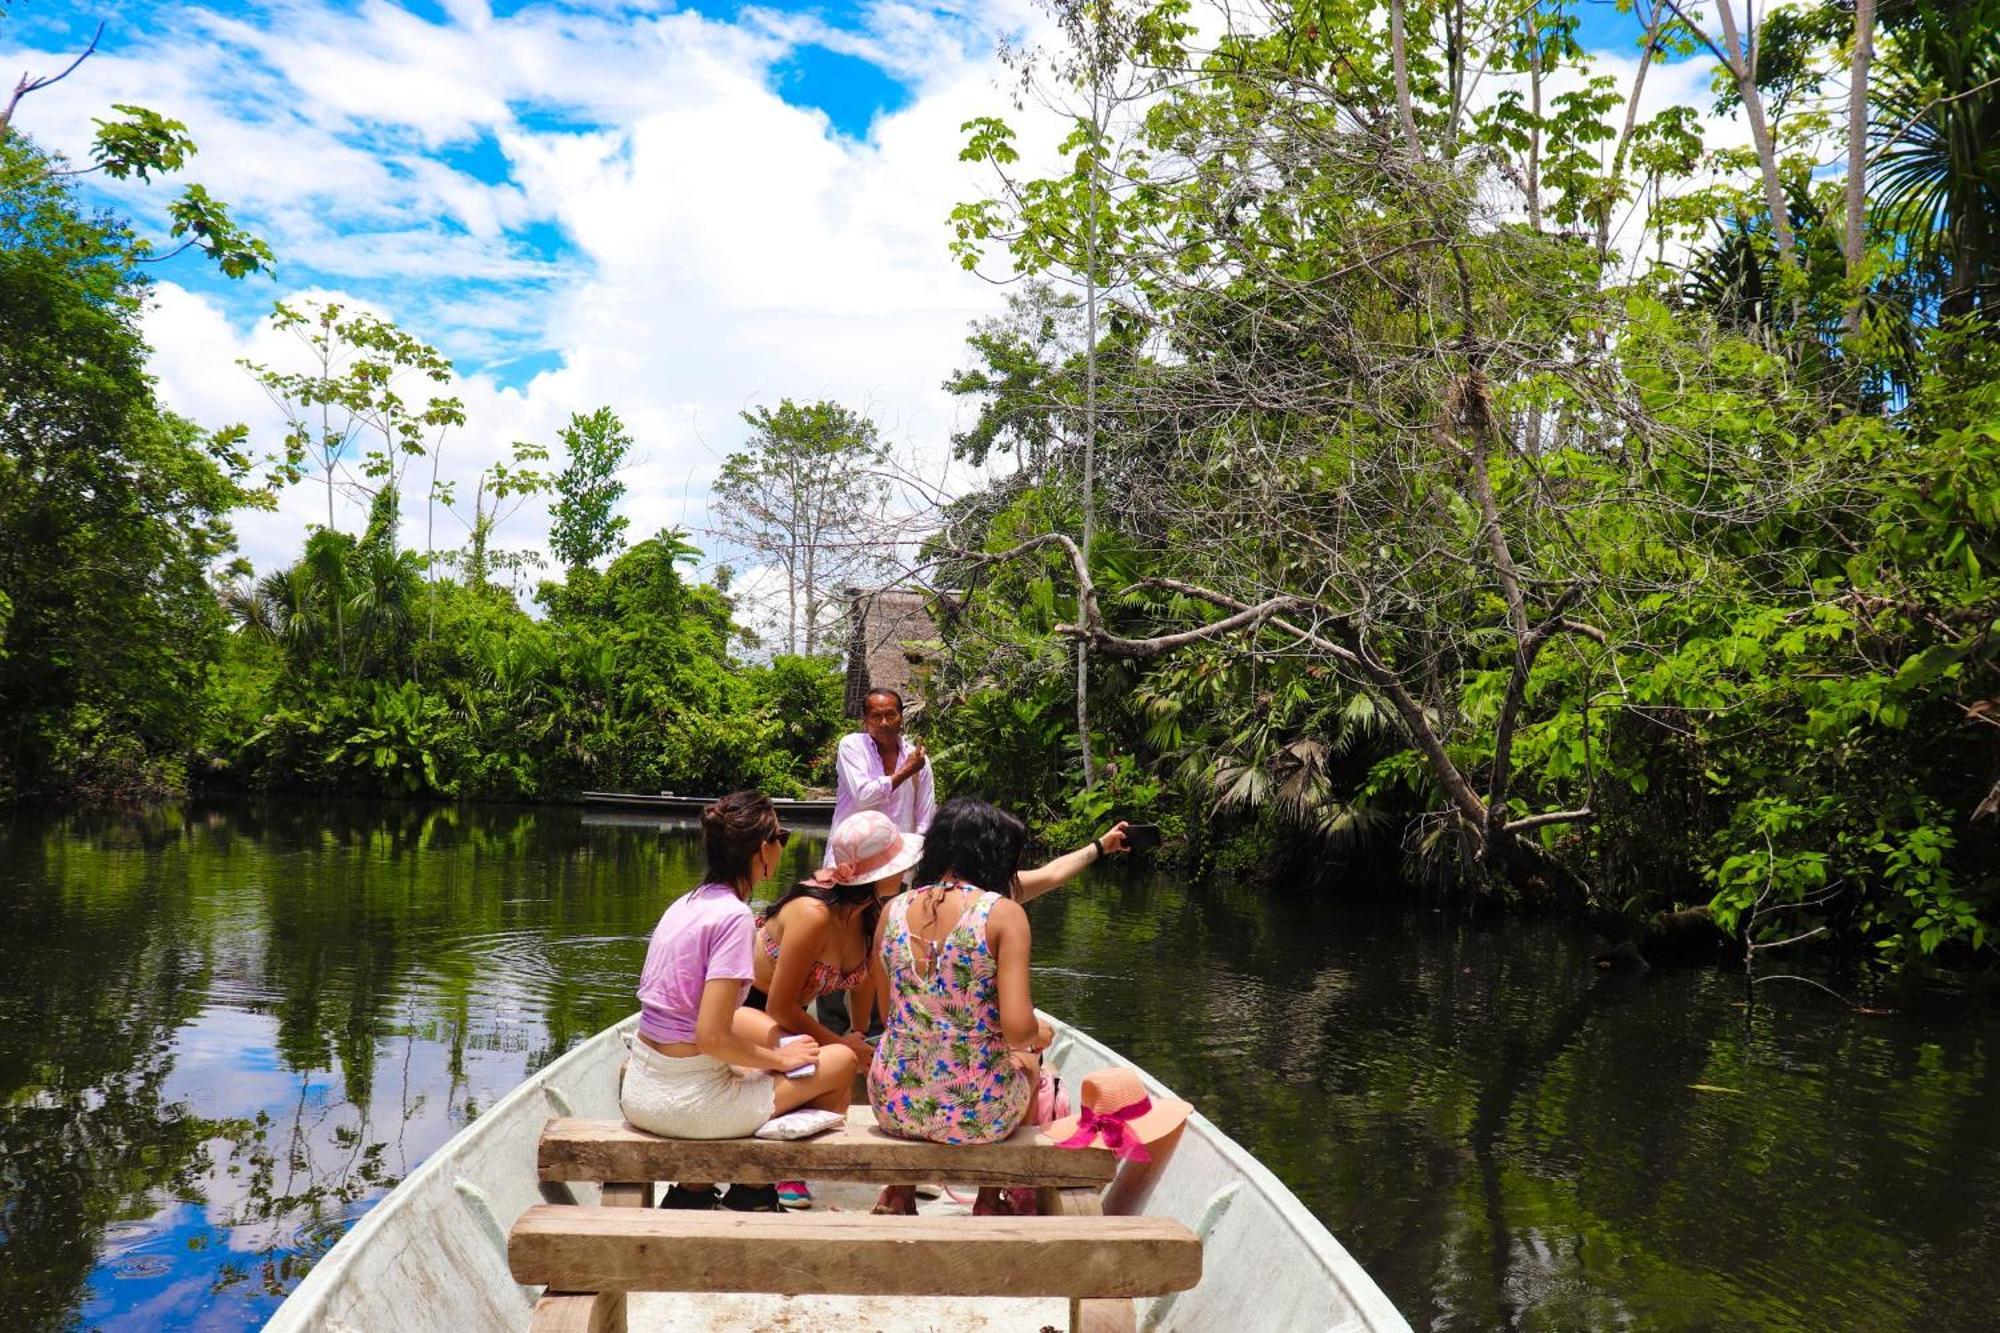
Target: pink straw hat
{"x":867,"y":846}
{"x":1119,"y":1114}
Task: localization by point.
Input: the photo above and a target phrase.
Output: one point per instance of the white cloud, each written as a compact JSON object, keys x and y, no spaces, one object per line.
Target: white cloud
{"x":723,"y":248}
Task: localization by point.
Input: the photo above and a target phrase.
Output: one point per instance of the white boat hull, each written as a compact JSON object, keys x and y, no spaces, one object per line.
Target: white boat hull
{"x":432,"y":1255}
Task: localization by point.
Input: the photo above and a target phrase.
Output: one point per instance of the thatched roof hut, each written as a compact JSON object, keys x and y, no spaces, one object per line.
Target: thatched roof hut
{"x":895,"y":633}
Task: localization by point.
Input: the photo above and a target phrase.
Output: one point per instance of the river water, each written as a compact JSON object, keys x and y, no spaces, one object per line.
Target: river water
{"x":226,"y":1030}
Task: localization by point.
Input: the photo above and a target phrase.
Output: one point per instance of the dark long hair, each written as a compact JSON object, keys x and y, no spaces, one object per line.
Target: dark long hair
{"x":733,"y":831}
{"x":976,"y":842}
{"x":836,"y":897}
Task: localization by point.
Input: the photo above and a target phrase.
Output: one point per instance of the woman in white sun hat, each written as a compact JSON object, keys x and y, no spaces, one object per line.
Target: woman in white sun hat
{"x":814,"y":940}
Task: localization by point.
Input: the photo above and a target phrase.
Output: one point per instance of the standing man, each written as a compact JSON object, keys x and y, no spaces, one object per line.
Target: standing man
{"x":880,"y":769}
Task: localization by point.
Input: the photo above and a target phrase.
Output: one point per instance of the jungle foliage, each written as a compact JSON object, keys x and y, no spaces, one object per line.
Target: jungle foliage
{"x":1489,"y":478}
{"x":137,"y":655}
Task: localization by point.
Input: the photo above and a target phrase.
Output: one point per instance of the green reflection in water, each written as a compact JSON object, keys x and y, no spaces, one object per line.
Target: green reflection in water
{"x":225,"y":1031}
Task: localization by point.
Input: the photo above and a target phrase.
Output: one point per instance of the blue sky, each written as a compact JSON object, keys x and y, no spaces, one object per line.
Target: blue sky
{"x":849,"y":90}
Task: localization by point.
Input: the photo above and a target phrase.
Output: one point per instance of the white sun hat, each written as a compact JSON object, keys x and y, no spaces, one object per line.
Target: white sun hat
{"x":867,"y":846}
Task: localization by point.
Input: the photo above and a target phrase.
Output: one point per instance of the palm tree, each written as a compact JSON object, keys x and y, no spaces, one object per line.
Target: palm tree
{"x":1937,"y":145}
{"x":385,"y":586}
{"x":286,"y":609}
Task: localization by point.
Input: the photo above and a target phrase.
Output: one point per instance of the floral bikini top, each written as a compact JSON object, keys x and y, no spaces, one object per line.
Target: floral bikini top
{"x":824,"y":978}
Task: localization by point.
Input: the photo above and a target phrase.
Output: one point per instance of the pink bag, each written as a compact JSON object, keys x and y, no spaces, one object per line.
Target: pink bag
{"x":1051,"y":1105}
{"x":1051,"y":1102}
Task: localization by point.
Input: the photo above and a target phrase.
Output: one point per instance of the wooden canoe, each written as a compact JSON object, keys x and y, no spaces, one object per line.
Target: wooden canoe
{"x":433,"y":1254}
{"x":805,"y":809}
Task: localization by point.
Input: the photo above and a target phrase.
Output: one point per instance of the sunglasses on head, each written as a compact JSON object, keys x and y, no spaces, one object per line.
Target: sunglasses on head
{"x":782,"y":837}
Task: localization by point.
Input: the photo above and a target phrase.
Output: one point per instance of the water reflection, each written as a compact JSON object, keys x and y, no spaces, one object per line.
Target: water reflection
{"x":226,"y":1031}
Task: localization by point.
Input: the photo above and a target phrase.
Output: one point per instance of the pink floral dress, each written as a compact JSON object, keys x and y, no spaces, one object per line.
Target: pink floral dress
{"x":942,"y":1071}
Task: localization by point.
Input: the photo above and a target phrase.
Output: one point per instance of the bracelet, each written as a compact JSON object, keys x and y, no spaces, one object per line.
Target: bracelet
{"x":1098,"y":843}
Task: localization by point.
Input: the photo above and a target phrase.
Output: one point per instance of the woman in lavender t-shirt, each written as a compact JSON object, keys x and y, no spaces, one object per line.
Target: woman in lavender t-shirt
{"x":705,"y":1067}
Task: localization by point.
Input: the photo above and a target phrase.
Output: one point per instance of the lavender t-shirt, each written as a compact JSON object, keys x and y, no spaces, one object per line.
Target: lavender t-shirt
{"x":703,"y":937}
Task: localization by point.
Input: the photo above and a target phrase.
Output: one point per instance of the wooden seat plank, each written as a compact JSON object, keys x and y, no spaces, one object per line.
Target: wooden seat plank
{"x":611,"y":1150}
{"x":1087,"y":1316}
{"x":626,"y":1249}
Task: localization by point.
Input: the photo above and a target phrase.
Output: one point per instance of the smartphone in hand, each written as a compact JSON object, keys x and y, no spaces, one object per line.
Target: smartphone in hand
{"x":803,"y":1071}
{"x":1140,"y":837}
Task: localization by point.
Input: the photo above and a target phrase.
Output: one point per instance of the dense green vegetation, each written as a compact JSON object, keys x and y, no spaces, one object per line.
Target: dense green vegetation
{"x":137,"y":656}
{"x":1506,"y":480}
{"x":442,"y":688}
{"x":1420,"y":451}
{"x":113,"y":509}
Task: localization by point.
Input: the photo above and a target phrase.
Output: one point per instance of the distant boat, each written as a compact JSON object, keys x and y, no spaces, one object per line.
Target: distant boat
{"x":433,"y":1255}
{"x":819,"y":809}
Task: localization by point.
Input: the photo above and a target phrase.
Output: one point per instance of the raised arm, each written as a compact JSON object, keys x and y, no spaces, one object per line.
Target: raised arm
{"x":924,"y":803}
{"x":1032,"y":884}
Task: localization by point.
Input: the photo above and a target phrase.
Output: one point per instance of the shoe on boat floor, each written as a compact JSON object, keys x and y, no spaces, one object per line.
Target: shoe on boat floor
{"x":751,"y":1199}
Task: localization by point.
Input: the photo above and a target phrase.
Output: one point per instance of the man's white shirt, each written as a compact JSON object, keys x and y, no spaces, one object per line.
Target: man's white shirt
{"x":863,"y":784}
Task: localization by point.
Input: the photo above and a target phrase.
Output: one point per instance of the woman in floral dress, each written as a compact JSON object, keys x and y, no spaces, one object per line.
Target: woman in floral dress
{"x":959,"y":1057}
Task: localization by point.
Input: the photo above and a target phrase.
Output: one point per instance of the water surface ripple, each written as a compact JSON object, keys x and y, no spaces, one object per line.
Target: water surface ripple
{"x":227,"y":1030}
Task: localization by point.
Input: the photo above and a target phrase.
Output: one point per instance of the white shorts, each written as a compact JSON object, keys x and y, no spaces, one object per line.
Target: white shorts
{"x":694,"y":1096}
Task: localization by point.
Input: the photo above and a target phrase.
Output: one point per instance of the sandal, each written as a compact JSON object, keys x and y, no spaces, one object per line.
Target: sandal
{"x":895,"y":1201}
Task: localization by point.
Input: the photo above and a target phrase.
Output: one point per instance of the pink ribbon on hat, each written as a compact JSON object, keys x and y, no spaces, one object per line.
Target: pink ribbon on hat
{"x":847,"y":872}
{"x":1112,"y":1127}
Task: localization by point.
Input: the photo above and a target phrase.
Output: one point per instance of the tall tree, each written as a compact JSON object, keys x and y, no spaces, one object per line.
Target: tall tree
{"x":1737,"y":50}
{"x":114,"y":510}
{"x":585,"y":528}
{"x":804,"y":496}
{"x":1854,"y":241}
{"x":346,"y":414}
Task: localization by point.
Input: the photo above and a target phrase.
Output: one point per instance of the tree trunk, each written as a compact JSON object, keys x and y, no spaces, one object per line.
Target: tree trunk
{"x":812,"y":597}
{"x":1625,"y":135}
{"x":1399,"y":56}
{"x":1455,"y":74}
{"x":1089,"y":420}
{"x":1744,"y":70}
{"x":1854,"y":243}
{"x":1534,"y":182}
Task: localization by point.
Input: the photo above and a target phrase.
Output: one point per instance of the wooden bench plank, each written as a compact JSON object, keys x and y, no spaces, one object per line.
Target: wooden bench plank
{"x":609,"y":1150}
{"x":625,"y":1249}
{"x":1087,"y":1316}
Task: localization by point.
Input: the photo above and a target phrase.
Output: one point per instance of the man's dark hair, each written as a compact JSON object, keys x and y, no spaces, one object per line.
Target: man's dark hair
{"x":885,"y":691}
{"x":975,"y":842}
